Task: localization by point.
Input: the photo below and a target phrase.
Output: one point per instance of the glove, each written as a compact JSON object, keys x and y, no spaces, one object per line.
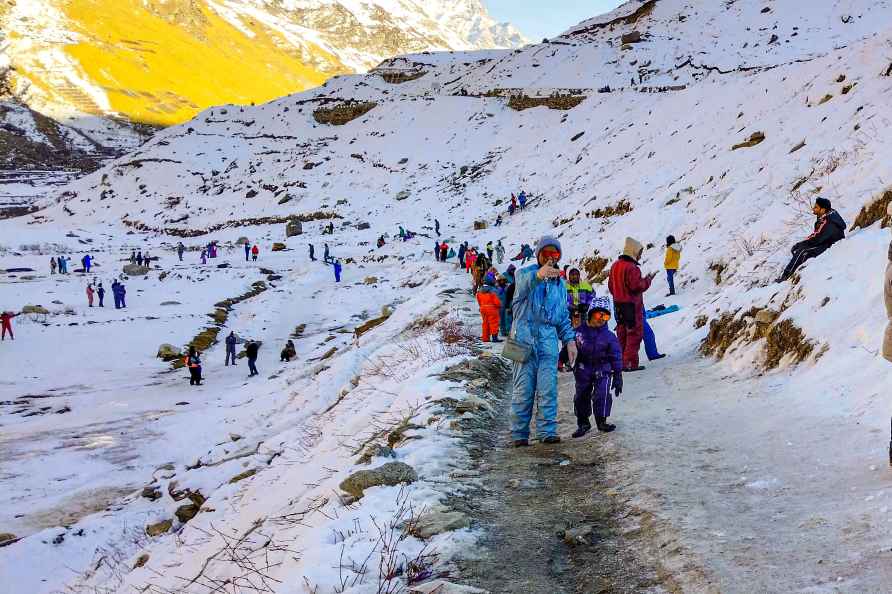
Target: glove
{"x":617,"y":383}
{"x":572,"y":353}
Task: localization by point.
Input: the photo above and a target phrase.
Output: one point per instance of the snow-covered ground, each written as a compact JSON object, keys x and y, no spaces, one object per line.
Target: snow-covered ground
{"x":624,"y":163}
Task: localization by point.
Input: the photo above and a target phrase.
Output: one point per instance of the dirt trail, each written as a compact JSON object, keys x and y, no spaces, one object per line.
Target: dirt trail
{"x":531,"y":495}
{"x":704,"y":487}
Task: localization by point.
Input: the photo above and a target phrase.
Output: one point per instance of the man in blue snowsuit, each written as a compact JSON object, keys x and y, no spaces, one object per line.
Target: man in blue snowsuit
{"x":337,"y":271}
{"x":542,"y":322}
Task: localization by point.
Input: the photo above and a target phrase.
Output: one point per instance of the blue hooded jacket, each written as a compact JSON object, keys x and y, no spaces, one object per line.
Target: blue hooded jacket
{"x":540,"y":311}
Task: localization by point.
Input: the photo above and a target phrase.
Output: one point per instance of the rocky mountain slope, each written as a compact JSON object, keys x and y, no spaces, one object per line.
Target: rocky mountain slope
{"x":161,"y":61}
{"x":632,"y":124}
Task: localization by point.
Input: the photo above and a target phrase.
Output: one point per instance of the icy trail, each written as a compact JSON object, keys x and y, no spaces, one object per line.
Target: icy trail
{"x":772,"y":502}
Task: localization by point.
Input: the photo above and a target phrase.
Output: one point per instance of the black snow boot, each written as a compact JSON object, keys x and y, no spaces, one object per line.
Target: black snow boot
{"x":495,"y":338}
{"x":552,"y":439}
{"x":581,"y":431}
{"x":520,"y":443}
{"x":603,"y":425}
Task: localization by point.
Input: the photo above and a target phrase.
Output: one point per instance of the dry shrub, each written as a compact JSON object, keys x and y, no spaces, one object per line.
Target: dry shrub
{"x":874,"y":211}
{"x":343,"y":113}
{"x":595,"y":268}
{"x":783,"y":339}
{"x":700,"y":321}
{"x":563,"y":102}
{"x":718,"y":268}
{"x":723,"y":332}
{"x":620,"y":208}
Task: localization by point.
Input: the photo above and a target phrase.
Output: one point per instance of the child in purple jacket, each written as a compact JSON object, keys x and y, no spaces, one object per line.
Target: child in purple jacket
{"x":599,"y":368}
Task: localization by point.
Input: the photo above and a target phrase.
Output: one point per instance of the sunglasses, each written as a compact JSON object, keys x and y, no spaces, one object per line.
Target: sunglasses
{"x":601,"y":315}
{"x":551,"y":254}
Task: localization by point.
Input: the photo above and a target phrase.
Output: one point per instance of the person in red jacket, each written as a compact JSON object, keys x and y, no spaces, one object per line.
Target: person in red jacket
{"x":627,"y":287}
{"x":254,"y":252}
{"x":490,"y":307}
{"x":6,"y":321}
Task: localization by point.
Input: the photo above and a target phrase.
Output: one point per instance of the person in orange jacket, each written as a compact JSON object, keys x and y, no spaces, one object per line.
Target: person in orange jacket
{"x":490,"y":306}
{"x":6,"y":322}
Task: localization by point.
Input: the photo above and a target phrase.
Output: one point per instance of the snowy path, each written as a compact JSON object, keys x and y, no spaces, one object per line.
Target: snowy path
{"x":753,"y":478}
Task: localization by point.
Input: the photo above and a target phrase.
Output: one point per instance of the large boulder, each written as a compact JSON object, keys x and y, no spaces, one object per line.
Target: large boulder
{"x":437,"y":521}
{"x":293,"y":227}
{"x":168,"y":352}
{"x":363,"y":226}
{"x":35,"y":309}
{"x":631,"y":37}
{"x":159,"y":528}
{"x":135,"y":270}
{"x":279,"y":247}
{"x":478,"y":225}
{"x":390,"y":474}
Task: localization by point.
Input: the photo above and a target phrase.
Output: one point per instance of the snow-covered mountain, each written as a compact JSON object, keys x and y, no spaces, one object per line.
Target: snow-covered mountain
{"x":160,"y":61}
{"x":716,"y":122}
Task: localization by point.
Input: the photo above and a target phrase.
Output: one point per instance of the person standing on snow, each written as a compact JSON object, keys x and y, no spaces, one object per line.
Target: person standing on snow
{"x":100,"y":292}
{"x":180,"y":250}
{"x":599,"y":369}
{"x":204,"y":256}
{"x":133,"y":257}
{"x":437,"y":250}
{"x":627,"y":287}
{"x":139,"y":258}
{"x":122,"y":292}
{"x":312,"y":253}
{"x":52,"y":266}
{"x":90,"y":294}
{"x":325,"y":254}
{"x":513,"y":206}
{"x":829,"y":228}
{"x":6,"y":324}
{"x":247,"y":251}
{"x":500,"y":252}
{"x":337,"y":271}
{"x":489,"y":250}
{"x":231,"y":341}
{"x":437,"y":227}
{"x":444,"y":251}
{"x":288,"y":353}
{"x":255,"y":251}
{"x":673,"y":257}
{"x":522,"y":199}
{"x":490,"y":304}
{"x":193,"y":362}
{"x":63,"y":265}
{"x":251,"y":352}
{"x":87,"y":261}
{"x":541,"y":322}
{"x":462,"y":248}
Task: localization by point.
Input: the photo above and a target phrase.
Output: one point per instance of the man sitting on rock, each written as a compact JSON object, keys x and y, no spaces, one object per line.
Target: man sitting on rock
{"x":829,"y":228}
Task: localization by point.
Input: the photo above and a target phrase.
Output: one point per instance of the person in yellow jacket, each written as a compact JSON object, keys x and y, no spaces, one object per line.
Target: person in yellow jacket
{"x":673,"y":258}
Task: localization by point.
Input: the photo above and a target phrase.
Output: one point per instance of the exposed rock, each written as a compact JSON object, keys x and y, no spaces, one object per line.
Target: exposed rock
{"x":242,"y":476}
{"x":478,"y":225}
{"x":242,"y":240}
{"x":293,"y":227}
{"x":159,"y":528}
{"x":370,"y":280}
{"x":375,"y":450}
{"x":141,"y":560}
{"x":168,"y":352}
{"x":437,"y":521}
{"x":7,"y":538}
{"x":440,"y":586}
{"x":631,"y":37}
{"x":135,"y":270}
{"x":35,"y":309}
{"x":279,"y":247}
{"x":171,"y":303}
{"x":577,"y":536}
{"x":403,"y":195}
{"x":398,"y":435}
{"x":754,"y":139}
{"x":766,"y":316}
{"x":363,"y":226}
{"x":151,"y":492}
{"x":186,"y":512}
{"x":235,"y":436}
{"x":390,"y":474}
{"x":472,"y":404}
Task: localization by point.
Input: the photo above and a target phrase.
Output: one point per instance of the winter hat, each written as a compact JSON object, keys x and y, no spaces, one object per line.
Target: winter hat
{"x":489,"y":281}
{"x":548,"y":240}
{"x":599,"y":304}
{"x":670,"y":240}
{"x":633,"y":248}
{"x":823,"y":203}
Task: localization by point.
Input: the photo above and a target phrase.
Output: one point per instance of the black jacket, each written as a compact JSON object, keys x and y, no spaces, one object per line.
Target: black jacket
{"x":829,"y":229}
{"x":251,"y":350}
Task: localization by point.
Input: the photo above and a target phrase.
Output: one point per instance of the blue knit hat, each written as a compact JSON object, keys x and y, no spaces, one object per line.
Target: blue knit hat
{"x":548,"y":240}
